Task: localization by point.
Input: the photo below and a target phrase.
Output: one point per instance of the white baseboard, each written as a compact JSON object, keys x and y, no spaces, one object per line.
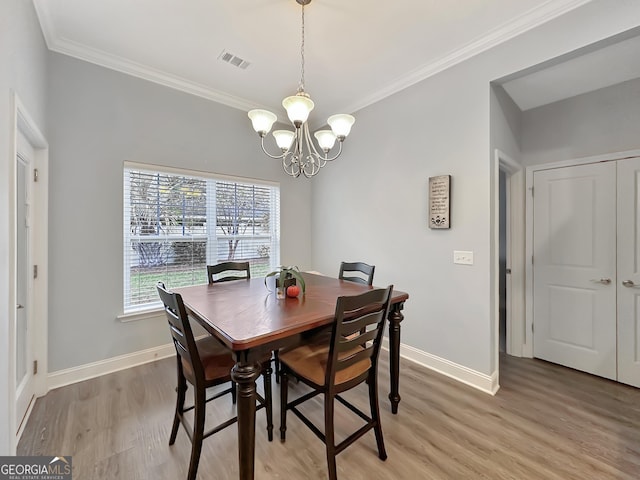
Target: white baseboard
{"x":110,"y":365}
{"x":481,"y":381}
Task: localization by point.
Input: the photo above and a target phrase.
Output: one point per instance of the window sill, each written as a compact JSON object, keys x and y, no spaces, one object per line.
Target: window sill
{"x":155,"y":313}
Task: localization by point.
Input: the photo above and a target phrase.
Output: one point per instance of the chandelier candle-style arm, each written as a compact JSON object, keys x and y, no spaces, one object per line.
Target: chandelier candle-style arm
{"x":299,"y":153}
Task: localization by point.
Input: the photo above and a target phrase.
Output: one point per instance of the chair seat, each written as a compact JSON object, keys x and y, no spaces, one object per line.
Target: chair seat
{"x":310,"y":361}
{"x":216,"y":360}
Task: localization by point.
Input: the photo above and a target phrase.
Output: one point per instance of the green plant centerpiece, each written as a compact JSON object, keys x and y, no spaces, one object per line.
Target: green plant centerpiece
{"x":285,"y":278}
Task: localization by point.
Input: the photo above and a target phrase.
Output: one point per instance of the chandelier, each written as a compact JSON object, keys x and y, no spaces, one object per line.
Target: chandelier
{"x":298,"y":152}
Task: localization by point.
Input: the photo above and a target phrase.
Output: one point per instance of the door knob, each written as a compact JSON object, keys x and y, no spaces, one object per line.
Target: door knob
{"x":628,"y":283}
{"x":605,"y":281}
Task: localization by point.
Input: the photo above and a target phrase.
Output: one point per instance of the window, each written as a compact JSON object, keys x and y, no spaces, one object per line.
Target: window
{"x":176,"y":223}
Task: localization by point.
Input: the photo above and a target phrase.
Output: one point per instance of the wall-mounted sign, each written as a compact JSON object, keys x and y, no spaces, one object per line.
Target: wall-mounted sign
{"x":439,"y":196}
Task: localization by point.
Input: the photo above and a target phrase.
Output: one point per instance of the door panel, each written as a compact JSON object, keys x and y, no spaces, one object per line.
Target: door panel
{"x":25,"y":388}
{"x":22,"y":249}
{"x":574,"y":311}
{"x":629,"y":271}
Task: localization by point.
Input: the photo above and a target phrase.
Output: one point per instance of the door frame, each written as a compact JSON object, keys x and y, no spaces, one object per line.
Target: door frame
{"x":530,"y":170}
{"x":514,"y":193}
{"x":23,"y":122}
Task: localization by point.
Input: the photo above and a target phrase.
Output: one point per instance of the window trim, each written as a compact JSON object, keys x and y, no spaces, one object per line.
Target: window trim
{"x":197,"y":173}
{"x":144,"y":314}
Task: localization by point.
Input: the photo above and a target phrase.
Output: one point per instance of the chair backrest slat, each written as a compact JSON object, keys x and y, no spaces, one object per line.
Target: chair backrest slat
{"x":364,"y":272}
{"x":180,"y":329}
{"x":354,"y":341}
{"x":350,"y":327}
{"x":234,"y":268}
{"x":361,"y":355}
{"x":358,"y":327}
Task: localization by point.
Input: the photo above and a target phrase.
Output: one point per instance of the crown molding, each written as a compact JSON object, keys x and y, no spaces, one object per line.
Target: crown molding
{"x":527,"y":21}
{"x":114,"y":62}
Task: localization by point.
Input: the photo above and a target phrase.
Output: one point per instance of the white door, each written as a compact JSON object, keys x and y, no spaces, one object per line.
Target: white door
{"x":24,"y":274}
{"x":628,"y":285}
{"x":574,"y":267}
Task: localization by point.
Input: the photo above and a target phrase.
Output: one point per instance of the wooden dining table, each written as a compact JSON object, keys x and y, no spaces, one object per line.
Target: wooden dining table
{"x":252,"y":322}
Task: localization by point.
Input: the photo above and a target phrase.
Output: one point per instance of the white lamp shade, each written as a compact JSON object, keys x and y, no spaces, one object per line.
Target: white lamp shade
{"x":326,"y":139}
{"x":284,"y":138}
{"x":262,"y":120}
{"x":341,"y":124}
{"x":298,"y":108}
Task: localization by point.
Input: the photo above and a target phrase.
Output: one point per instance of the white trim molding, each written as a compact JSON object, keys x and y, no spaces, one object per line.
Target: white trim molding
{"x":155,"y":314}
{"x":480,"y":381}
{"x":80,"y":373}
{"x":61,"y":378}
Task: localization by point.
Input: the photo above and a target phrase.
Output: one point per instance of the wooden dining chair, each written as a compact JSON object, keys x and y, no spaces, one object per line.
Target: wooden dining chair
{"x":358,"y":272}
{"x":213,"y":272}
{"x":227,"y":271}
{"x":347,"y":359}
{"x":203,"y":363}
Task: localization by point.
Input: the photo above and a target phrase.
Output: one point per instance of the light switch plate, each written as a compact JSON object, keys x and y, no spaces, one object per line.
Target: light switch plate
{"x":462,"y":258}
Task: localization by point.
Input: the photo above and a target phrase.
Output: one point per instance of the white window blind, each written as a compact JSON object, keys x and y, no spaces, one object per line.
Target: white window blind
{"x":175,"y":224}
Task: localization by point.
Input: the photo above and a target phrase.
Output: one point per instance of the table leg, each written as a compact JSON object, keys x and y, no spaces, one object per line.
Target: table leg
{"x":395,"y":317}
{"x":245,"y":374}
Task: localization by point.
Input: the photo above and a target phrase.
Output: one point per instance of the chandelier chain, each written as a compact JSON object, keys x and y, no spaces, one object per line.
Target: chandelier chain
{"x":301,"y":84}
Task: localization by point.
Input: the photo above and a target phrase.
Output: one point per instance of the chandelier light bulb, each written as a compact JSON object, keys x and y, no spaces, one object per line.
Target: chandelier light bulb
{"x":298,"y":108}
{"x":262,"y":121}
{"x":326,"y":139}
{"x":341,"y":125}
{"x":284,"y":139}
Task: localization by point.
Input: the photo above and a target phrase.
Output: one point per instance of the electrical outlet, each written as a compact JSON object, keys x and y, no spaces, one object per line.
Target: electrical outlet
{"x":462,"y":257}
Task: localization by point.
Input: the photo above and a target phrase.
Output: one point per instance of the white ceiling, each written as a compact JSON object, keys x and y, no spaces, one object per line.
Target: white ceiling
{"x":603,"y":67}
{"x":357,"y":51}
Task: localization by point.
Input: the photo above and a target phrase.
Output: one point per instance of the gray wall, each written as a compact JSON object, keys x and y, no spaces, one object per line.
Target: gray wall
{"x":371,"y":204}
{"x":604,"y":121}
{"x":23,"y":70}
{"x":100,"y":118}
{"x":506,"y":124}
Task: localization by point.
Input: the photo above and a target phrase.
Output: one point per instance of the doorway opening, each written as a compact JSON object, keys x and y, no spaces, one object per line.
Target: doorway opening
{"x":510,"y":318}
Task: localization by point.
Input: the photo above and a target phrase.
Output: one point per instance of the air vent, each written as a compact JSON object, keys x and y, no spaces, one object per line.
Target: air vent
{"x":231,"y":59}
